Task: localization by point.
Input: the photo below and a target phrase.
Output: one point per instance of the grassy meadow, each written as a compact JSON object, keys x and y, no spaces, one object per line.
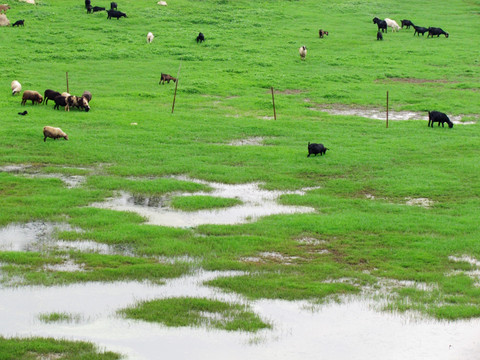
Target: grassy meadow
{"x":362,"y":232}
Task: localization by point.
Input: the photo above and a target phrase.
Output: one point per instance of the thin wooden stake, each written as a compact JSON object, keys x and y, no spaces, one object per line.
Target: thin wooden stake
{"x":68,"y":91}
{"x":176,"y":85}
{"x":273,"y":101}
{"x":387,"y":109}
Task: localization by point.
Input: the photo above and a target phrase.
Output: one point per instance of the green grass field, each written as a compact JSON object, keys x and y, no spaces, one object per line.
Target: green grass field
{"x":366,"y":232}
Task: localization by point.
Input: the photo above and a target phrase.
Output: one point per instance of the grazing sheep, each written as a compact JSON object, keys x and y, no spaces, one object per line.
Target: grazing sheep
{"x":78,"y":102}
{"x":54,"y":133}
{"x":32,"y":95}
{"x":167,"y":78}
{"x":382,"y":24}
{"x":316,"y":149}
{"x":162,"y":3}
{"x":200,"y":37}
{"x":441,"y":118}
{"x":150,"y":37}
{"x":23,"y":113}
{"x":420,"y":30}
{"x":436,"y":31}
{"x":322,"y":33}
{"x":393,"y":24}
{"x":29,"y":1}
{"x":4,"y":7}
{"x":50,"y":95}
{"x":16,"y":87}
{"x":303,"y":52}
{"x":379,"y":35}
{"x":87,"y":95}
{"x":406,"y":23}
{"x":98,"y":8}
{"x":4,"y":20}
{"x":60,"y":101}
{"x":113,"y":6}
{"x":18,"y":23}
{"x":115,"y":14}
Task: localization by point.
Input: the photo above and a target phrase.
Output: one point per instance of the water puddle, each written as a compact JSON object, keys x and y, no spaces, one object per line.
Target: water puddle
{"x":70,"y":181}
{"x":351,"y":329}
{"x":380,"y":114}
{"x":256,"y":203}
{"x":255,"y":140}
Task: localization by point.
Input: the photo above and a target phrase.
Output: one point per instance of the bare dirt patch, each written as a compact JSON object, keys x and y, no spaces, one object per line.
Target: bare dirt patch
{"x":416,"y":80}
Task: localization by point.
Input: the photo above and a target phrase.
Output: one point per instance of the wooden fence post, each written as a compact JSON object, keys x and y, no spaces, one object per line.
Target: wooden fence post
{"x":273,"y":101}
{"x":176,"y":84}
{"x":68,"y":90}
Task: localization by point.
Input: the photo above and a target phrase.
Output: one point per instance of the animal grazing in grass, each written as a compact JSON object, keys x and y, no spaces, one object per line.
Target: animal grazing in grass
{"x":379,"y":35}
{"x":303,"y":52}
{"x":382,"y":24}
{"x":113,"y":6}
{"x":316,"y":149}
{"x":16,"y":87}
{"x":150,"y":37}
{"x":79,"y":102}
{"x":441,"y":118}
{"x":420,"y":30}
{"x":98,"y":8}
{"x":31,"y":95}
{"x":200,"y":38}
{"x":115,"y":14}
{"x":322,"y":33}
{"x":436,"y":31}
{"x":167,"y":78}
{"x":88,"y":3}
{"x":4,"y":20}
{"x":4,"y":7}
{"x":87,"y":95}
{"x":406,"y":23}
{"x":23,"y":113}
{"x":19,"y":23}
{"x":393,"y":24}
{"x":89,"y":9}
{"x":60,"y":101}
{"x":50,"y":95}
{"x":53,"y":133}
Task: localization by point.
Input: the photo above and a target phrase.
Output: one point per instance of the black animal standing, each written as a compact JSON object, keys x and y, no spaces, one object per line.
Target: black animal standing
{"x":441,"y":118}
{"x":419,"y":30}
{"x":382,"y":24}
{"x":316,"y":149}
{"x":200,"y":37}
{"x":87,"y":3}
{"x":23,"y":113}
{"x":18,"y":23}
{"x":379,"y":35}
{"x":406,"y":23}
{"x":115,"y":14}
{"x":432,"y":31}
{"x":113,"y":6}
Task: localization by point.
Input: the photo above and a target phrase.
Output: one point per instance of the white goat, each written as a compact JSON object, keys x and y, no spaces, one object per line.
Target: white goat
{"x":16,"y":87}
{"x":303,"y":52}
{"x":150,"y":37}
{"x":393,"y":24}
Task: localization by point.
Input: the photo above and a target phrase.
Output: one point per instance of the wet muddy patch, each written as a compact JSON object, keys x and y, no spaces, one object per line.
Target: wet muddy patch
{"x":29,"y":171}
{"x":333,"y":330}
{"x":422,"y":202}
{"x":255,"y":203}
{"x":253,"y":141}
{"x":380,"y":114}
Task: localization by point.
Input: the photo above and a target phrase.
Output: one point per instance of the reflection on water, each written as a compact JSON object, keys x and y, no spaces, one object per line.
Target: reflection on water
{"x":353,"y":329}
{"x":256,"y":203}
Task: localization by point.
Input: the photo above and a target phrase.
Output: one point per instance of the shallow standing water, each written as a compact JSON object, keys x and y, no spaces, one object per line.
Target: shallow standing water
{"x":347,"y":331}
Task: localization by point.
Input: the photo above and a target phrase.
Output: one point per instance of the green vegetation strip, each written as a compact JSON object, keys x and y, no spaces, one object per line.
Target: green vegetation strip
{"x":45,"y":348}
{"x":195,"y":203}
{"x":198,"y":312}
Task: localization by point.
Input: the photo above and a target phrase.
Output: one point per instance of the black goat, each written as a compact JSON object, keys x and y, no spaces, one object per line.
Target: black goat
{"x":441,"y":118}
{"x":382,"y":24}
{"x":379,"y":36}
{"x":406,"y":23}
{"x":113,"y":6}
{"x":60,"y":101}
{"x":316,"y":149}
{"x":200,"y":37}
{"x":436,"y":31}
{"x":98,"y":8}
{"x":420,"y":30}
{"x":18,"y":23}
{"x":115,"y":14}
{"x":23,"y":113}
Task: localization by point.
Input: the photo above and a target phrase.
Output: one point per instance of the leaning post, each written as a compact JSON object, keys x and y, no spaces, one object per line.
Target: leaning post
{"x":176,"y":84}
{"x":273,"y":101}
{"x":66,"y":74}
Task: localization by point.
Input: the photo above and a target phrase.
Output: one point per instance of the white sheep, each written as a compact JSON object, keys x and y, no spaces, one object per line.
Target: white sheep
{"x":4,"y":20}
{"x":54,"y":133}
{"x":393,"y":24}
{"x":162,"y":3}
{"x":303,"y":52}
{"x":150,"y":37}
{"x":16,"y":87}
